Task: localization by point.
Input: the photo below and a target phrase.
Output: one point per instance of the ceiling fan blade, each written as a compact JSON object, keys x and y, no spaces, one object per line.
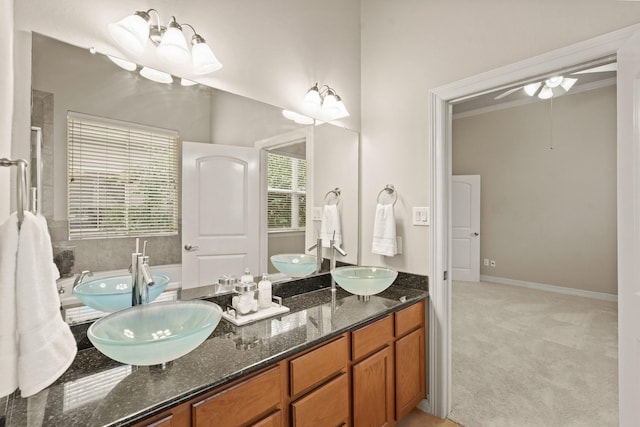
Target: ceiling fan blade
{"x":601,"y":69}
{"x":507,"y":93}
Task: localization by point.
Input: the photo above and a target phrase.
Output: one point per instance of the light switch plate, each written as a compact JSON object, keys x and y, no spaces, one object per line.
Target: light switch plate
{"x":421,"y":216}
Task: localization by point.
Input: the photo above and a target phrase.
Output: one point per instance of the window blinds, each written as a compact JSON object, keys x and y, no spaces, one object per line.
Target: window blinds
{"x":286,"y":196}
{"x":122,"y":179}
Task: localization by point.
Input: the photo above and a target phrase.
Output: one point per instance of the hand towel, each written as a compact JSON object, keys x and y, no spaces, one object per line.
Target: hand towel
{"x":384,"y":231}
{"x":8,"y":337}
{"x":46,"y":345}
{"x":330,"y":224}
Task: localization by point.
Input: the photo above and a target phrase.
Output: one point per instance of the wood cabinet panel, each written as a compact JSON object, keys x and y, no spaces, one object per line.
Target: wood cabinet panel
{"x":410,"y":372}
{"x":370,"y":338}
{"x":373,"y":390}
{"x":410,"y":318}
{"x":273,"y":420}
{"x":242,"y":403}
{"x":178,"y":416}
{"x":318,"y":365}
{"x":327,"y":406}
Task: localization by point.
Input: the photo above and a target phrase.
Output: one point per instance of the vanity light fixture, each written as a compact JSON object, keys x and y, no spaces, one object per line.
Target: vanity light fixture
{"x":134,"y":31}
{"x":324,"y":103}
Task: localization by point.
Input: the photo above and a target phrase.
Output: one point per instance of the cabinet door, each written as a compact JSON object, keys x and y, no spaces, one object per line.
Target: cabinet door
{"x":273,"y":420}
{"x":240,"y":404}
{"x":410,"y":372}
{"x":326,"y":406}
{"x":373,"y":390}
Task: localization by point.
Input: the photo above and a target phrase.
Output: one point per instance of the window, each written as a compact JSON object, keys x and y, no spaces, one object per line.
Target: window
{"x":286,"y":197}
{"x":122,"y":179}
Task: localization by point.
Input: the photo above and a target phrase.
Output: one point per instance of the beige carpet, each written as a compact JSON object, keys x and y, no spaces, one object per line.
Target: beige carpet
{"x":524,"y":357}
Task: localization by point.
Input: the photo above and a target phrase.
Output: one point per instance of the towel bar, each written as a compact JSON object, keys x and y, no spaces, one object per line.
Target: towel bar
{"x":336,"y":192}
{"x":21,"y":185}
{"x":391,"y":190}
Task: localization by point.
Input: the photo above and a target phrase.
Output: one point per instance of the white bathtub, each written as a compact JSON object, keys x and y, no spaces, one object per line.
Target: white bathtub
{"x":75,"y":312}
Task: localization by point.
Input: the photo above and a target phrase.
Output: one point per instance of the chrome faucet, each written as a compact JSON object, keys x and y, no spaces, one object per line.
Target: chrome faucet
{"x":333,"y":248}
{"x":141,"y":278}
{"x":318,"y":248}
{"x":79,"y":279}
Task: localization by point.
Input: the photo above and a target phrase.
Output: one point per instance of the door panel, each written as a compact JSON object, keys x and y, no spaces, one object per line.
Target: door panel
{"x":220,"y":212}
{"x":465,"y":226}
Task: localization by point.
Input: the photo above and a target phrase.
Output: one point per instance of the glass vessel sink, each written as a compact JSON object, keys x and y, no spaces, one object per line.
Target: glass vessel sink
{"x":364,"y":280}
{"x":114,"y":293}
{"x":152,"y":334}
{"x":295,"y":265}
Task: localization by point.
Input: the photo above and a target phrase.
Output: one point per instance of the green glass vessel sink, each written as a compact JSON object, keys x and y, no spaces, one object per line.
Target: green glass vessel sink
{"x":364,"y":280}
{"x":295,"y":265}
{"x":152,"y":334}
{"x":114,"y":293}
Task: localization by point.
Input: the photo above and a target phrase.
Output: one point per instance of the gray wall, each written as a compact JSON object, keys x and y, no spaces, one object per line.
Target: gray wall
{"x":547,"y":215}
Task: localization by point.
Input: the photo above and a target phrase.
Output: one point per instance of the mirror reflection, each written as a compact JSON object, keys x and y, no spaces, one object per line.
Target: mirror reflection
{"x":67,"y":79}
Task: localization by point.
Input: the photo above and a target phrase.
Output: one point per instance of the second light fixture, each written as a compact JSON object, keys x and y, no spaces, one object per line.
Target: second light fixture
{"x":324,"y":103}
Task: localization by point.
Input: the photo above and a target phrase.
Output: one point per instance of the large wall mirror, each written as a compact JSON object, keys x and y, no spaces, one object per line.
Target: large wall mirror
{"x":68,"y":78}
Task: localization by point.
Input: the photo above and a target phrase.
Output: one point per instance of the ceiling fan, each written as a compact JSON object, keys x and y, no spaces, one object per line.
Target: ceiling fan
{"x":556,"y":85}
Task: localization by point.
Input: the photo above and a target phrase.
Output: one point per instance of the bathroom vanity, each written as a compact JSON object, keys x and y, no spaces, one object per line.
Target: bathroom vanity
{"x":332,"y":360}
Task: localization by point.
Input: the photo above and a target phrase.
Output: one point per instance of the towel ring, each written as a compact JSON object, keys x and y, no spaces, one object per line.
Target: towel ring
{"x":391,"y":190}
{"x":336,"y":196}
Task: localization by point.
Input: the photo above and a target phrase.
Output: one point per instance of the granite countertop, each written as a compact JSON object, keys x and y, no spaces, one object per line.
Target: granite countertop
{"x":97,"y":391}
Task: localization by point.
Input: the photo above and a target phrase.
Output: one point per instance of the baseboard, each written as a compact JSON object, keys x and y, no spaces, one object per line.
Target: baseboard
{"x":551,"y":288}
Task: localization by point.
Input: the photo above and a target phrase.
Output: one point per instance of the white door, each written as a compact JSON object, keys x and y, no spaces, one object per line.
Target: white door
{"x":628,"y":108}
{"x":220,"y":212}
{"x":465,"y":228}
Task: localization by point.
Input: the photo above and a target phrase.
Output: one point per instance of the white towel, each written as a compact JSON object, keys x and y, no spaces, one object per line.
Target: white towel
{"x":46,"y":345}
{"x":384,"y":231}
{"x":330,"y":224}
{"x":8,"y":330}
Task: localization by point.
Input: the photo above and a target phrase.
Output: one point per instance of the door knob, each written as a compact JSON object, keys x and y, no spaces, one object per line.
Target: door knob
{"x":475,"y":234}
{"x":191,"y":248}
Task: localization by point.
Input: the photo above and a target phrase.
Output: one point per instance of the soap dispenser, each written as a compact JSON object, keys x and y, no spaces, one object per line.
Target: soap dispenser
{"x":264,"y":292}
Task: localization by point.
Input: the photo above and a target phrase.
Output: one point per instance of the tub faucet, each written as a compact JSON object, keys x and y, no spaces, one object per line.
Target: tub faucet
{"x":141,"y":279}
{"x":318,"y":248}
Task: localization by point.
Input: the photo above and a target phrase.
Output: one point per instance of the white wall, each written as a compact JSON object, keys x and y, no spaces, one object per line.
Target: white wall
{"x":412,"y":46}
{"x":548,"y":203}
{"x":6,"y":101}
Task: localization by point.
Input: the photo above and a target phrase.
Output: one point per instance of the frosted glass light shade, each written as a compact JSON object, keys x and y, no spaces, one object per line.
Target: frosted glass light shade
{"x":545,"y":93}
{"x":173,"y":47}
{"x":131,"y":32}
{"x":342,"y":109}
{"x":532,"y":88}
{"x":330,"y":108}
{"x":567,"y":83}
{"x":127,"y":65}
{"x":187,"y":82}
{"x":311,"y":103}
{"x":156,"y":76}
{"x":553,"y":81}
{"x":204,"y":61}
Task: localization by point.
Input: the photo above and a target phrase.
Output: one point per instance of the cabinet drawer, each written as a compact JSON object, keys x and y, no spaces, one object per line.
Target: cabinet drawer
{"x":240,"y":404}
{"x":328,"y":406}
{"x":273,"y":420}
{"x":409,"y":318}
{"x":372,"y":337}
{"x":318,"y":365}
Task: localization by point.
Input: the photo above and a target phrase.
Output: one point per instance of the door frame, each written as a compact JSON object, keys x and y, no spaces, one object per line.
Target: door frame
{"x":266,"y":144}
{"x":440,"y":142}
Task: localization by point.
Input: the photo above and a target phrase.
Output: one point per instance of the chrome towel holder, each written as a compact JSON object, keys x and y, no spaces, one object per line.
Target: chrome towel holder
{"x":21,"y":185}
{"x":391,"y":191}
{"x":336,"y":196}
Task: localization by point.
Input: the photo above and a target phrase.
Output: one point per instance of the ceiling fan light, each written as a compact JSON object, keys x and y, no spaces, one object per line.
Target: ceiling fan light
{"x":155,"y":75}
{"x":532,"y":88}
{"x":568,"y":83}
{"x":204,"y":61}
{"x":131,"y":32}
{"x":173,"y":46}
{"x":545,"y":93}
{"x":554,"y":81}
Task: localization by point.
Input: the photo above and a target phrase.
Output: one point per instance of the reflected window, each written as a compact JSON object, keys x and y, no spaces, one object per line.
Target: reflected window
{"x":286,"y":198}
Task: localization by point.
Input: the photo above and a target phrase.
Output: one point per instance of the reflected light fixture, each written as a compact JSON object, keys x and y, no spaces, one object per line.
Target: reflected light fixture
{"x":324,"y":103}
{"x":298,"y":118}
{"x":553,"y":86}
{"x":155,"y":75}
{"x":127,"y":65}
{"x":134,"y":31}
{"x":187,"y":82}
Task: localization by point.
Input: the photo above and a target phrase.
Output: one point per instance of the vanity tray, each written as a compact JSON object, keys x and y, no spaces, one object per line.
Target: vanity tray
{"x":276,"y":309}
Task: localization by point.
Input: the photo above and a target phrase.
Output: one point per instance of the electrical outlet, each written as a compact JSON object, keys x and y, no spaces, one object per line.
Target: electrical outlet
{"x":493,"y":263}
{"x":486,"y":262}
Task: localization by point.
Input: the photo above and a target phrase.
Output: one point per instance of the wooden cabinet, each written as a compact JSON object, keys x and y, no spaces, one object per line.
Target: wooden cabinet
{"x":178,"y":416}
{"x":273,"y":420}
{"x":243,"y":404}
{"x":327,"y":406}
{"x":317,"y":366}
{"x":373,"y":390}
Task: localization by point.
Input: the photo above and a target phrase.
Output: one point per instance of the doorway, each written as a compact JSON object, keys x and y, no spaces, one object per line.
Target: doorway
{"x":440,"y":154}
